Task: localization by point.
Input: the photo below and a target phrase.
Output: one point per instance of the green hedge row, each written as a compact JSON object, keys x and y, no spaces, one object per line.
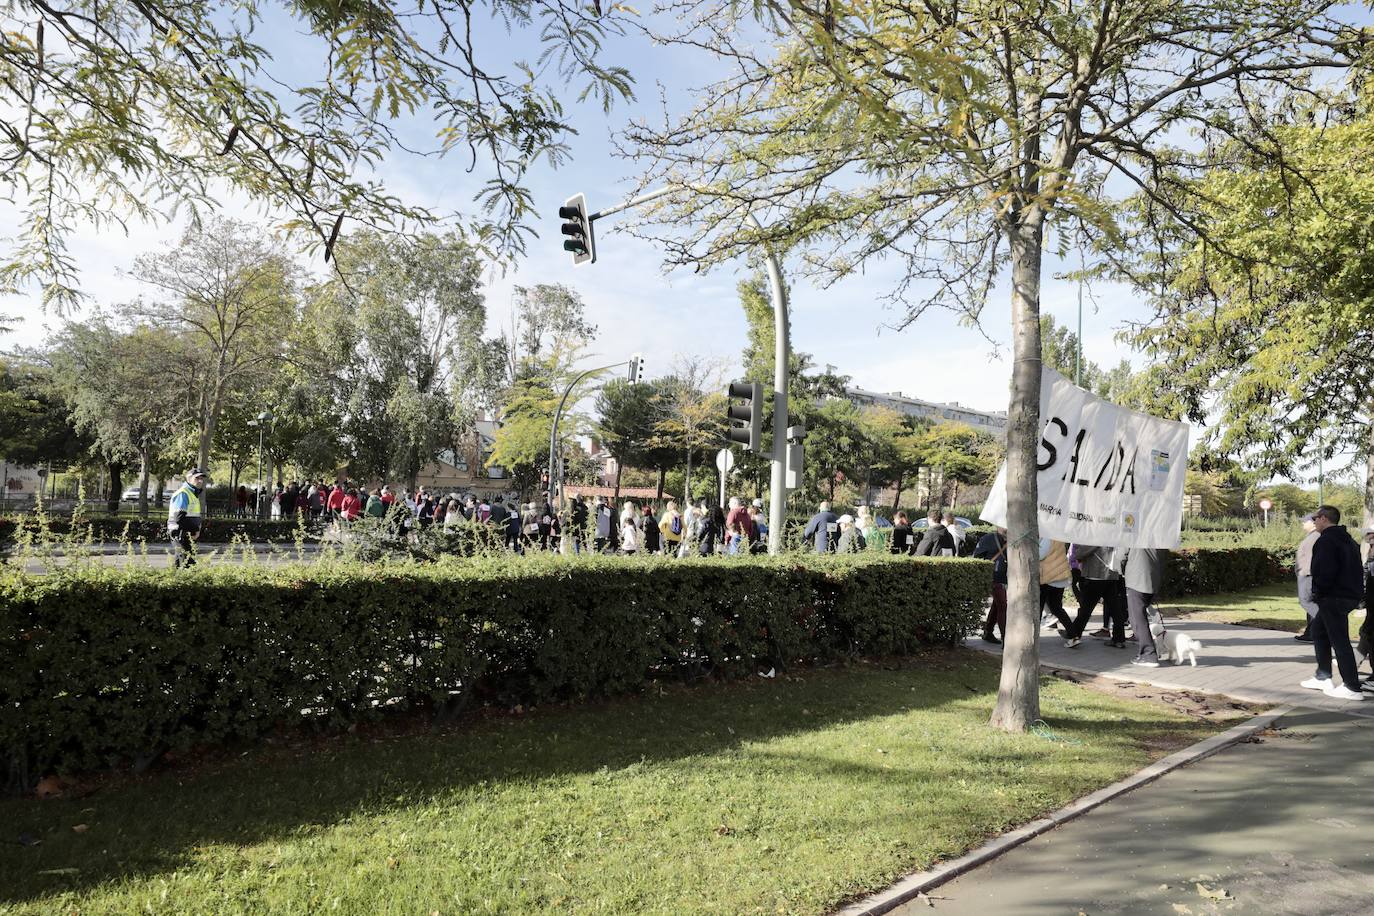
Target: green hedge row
{"x":101,"y":666}
{"x":153,"y":528}
{"x":1210,"y":571}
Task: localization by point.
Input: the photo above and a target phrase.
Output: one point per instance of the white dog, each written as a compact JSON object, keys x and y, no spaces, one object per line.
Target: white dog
{"x":1174,"y":645}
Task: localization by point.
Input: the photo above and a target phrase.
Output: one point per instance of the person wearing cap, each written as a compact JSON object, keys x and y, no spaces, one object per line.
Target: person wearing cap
{"x":184,"y":517}
{"x":1302,"y":568}
{"x":851,"y":538}
{"x":1337,"y":587}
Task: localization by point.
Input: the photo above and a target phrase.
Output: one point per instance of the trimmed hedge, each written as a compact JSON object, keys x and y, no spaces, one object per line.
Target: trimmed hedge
{"x":100,"y":665}
{"x":153,"y":528}
{"x":1210,"y":571}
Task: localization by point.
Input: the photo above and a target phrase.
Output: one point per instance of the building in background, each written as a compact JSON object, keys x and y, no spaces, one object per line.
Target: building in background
{"x":982,"y":421}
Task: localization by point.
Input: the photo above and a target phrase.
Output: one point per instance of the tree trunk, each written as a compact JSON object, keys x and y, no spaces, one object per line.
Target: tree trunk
{"x":954,"y":496}
{"x":116,"y":488}
{"x":1018,"y":694}
{"x":161,"y":485}
{"x":662,"y":476}
{"x":897,"y":497}
{"x":687,"y":483}
{"x":619,"y":469}
{"x":143,"y":472}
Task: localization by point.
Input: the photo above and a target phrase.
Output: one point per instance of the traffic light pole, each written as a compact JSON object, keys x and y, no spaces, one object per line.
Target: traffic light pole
{"x":777,"y":505}
{"x":777,"y":495}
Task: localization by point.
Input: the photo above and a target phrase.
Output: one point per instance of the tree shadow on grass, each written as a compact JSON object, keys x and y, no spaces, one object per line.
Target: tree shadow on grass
{"x":154,"y":825}
{"x":151,"y":825}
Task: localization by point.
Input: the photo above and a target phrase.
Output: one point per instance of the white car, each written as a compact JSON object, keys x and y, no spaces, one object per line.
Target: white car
{"x":131,"y":495}
{"x":959,"y":520}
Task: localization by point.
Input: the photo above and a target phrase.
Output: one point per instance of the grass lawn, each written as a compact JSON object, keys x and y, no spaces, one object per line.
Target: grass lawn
{"x":785,"y":795}
{"x":1272,"y":607}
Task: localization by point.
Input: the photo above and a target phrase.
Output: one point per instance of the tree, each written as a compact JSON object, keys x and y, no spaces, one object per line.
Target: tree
{"x":691,"y":406}
{"x":628,"y":420}
{"x":1265,"y":327}
{"x":952,"y":136}
{"x":145,"y":108}
{"x":35,"y":426}
{"x":232,"y":292}
{"x":414,"y":315}
{"x":115,"y":385}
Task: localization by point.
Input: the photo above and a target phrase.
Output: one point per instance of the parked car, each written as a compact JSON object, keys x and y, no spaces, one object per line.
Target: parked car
{"x":959,"y":520}
{"x":131,"y":495}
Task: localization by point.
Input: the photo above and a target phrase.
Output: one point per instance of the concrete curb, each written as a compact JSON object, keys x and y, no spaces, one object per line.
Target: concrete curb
{"x":908,"y":888}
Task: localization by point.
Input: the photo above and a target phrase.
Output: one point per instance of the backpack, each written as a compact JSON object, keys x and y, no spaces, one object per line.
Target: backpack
{"x":677,"y":525}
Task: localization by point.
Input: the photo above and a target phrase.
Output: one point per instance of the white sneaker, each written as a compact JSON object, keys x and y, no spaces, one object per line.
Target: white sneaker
{"x":1072,"y":643}
{"x":1314,"y":683}
{"x":1344,"y":693}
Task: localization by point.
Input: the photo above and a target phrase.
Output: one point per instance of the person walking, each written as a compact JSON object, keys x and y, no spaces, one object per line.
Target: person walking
{"x":578,"y":519}
{"x":1144,"y":575}
{"x":670,"y":529}
{"x":652,"y":534}
{"x":956,"y":532}
{"x":1302,"y":568}
{"x":851,"y":539}
{"x":629,"y":529}
{"x":1054,"y":578}
{"x":712,"y":528}
{"x":823,"y":528}
{"x":993,"y":546}
{"x":737,"y":527}
{"x":1337,"y":587}
{"x":1101,"y":582}
{"x":604,"y":518}
{"x":903,"y":538}
{"x":937,"y":542}
{"x":1366,"y":647}
{"x":185,"y":516}
{"x":760,"y":542}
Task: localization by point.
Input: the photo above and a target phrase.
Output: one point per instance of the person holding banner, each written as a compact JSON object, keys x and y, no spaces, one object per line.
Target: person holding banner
{"x":1054,"y":578}
{"x":993,"y":546}
{"x":1101,"y":582}
{"x":1144,"y":575}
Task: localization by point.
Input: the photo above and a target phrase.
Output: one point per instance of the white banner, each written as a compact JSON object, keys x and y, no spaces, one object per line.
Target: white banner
{"x":1107,"y":475}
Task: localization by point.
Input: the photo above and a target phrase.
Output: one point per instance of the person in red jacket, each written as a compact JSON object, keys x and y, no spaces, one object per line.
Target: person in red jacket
{"x":351,"y":506}
{"x":336,"y":500}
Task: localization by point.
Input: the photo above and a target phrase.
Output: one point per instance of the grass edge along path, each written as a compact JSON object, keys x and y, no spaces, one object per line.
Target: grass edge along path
{"x":787,"y":795}
{"x":1268,"y":607}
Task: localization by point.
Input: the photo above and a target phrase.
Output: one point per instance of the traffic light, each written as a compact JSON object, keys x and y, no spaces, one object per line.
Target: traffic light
{"x":750,"y":413}
{"x":636,"y":369}
{"x":577,"y":226}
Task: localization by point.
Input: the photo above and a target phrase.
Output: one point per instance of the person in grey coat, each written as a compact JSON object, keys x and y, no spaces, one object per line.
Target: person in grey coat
{"x":1144,"y":575}
{"x":1302,"y":566}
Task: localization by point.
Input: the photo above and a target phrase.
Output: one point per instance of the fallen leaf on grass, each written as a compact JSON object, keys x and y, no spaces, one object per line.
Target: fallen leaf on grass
{"x":724,"y":830}
{"x":60,"y":871}
{"x":80,"y":828}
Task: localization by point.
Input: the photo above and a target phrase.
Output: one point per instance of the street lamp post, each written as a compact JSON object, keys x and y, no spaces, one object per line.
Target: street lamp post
{"x":555,"y":457}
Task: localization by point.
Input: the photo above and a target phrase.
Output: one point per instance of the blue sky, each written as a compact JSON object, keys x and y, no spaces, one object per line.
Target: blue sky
{"x":637,"y":306}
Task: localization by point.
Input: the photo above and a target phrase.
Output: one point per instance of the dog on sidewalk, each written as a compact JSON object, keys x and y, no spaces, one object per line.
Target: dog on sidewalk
{"x":1174,"y":645}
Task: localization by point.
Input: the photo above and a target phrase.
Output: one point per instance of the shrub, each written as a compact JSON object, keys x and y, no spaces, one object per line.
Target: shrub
{"x":1208,"y":571}
{"x":153,"y":528}
{"x":100,"y":665}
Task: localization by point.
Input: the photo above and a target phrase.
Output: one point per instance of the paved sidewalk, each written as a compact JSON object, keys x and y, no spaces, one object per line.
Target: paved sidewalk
{"x":1247,"y":663}
{"x":1285,"y":825}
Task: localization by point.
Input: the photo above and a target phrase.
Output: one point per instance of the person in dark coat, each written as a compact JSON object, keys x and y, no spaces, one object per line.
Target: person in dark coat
{"x":823,"y":529}
{"x":1337,"y":587}
{"x":903,"y":538}
{"x":993,"y":546}
{"x":937,"y":538}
